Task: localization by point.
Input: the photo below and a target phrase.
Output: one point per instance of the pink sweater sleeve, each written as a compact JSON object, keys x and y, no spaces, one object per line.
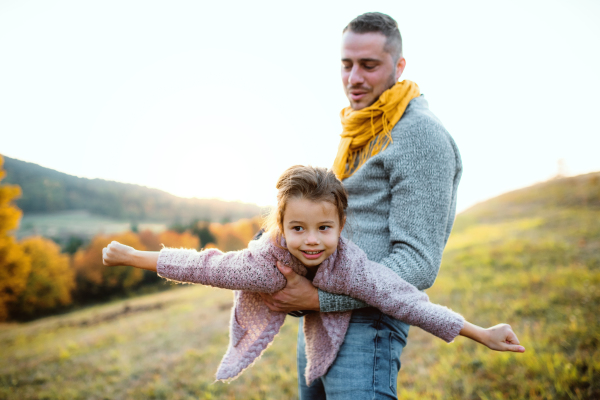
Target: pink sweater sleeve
{"x":251,"y":269}
{"x":354,"y":275}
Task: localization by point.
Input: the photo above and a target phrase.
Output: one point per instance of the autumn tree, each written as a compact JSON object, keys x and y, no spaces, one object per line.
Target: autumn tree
{"x":94,"y":278}
{"x":235,"y":235}
{"x":150,"y":240}
{"x":177,"y":240}
{"x":14,"y":263}
{"x":50,"y":280}
{"x":200,"y":229}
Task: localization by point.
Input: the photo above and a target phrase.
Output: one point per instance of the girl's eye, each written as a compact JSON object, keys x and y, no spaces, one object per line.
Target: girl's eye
{"x":298,"y":228}
{"x":324,"y":227}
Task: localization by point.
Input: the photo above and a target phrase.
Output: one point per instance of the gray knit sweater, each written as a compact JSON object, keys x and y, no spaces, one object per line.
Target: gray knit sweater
{"x":402,"y":202}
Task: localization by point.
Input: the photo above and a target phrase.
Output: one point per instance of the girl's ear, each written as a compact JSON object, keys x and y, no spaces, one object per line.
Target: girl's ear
{"x":342,"y":224}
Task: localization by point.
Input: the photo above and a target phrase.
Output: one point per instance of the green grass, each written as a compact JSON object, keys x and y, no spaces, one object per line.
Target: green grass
{"x":530,"y":258}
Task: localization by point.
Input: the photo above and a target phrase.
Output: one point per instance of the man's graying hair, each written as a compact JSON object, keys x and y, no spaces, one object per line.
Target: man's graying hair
{"x":382,"y":23}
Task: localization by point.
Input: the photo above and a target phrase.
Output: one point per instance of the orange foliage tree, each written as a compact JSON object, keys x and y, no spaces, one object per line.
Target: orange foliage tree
{"x":50,"y":280}
{"x":150,"y":240}
{"x":14,"y":263}
{"x":235,"y":235}
{"x":94,"y":278}
{"x":174,"y":239}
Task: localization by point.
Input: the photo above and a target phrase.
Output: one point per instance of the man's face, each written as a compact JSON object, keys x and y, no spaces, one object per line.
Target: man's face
{"x":367,"y":69}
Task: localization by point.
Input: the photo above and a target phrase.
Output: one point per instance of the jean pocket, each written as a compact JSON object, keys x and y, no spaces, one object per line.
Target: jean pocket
{"x":397,"y":343}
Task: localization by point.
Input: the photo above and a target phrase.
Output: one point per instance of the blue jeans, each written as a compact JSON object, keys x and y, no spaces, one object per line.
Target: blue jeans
{"x":367,"y":365}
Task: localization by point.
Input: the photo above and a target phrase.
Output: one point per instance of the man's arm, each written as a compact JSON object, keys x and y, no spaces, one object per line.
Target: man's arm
{"x":423,"y":174}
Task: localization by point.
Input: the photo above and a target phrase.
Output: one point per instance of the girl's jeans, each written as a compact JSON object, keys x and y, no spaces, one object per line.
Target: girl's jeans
{"x":367,"y":365}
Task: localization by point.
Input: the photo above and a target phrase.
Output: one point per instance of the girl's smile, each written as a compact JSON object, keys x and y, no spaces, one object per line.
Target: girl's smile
{"x":312,"y":255}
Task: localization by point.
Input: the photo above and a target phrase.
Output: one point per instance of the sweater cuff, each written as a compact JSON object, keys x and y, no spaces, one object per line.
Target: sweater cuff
{"x":171,"y":265}
{"x":330,"y":302}
{"x":453,"y":327}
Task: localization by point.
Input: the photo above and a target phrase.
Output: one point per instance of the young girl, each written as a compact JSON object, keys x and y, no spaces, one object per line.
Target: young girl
{"x":304,"y":232}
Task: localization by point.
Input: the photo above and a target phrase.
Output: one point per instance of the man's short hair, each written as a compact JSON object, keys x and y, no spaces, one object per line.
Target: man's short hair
{"x":382,"y":23}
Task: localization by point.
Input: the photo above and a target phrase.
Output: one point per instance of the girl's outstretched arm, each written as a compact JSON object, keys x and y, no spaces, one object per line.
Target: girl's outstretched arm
{"x":499,"y":337}
{"x":119,"y":254}
{"x":353,"y":274}
{"x":251,"y":270}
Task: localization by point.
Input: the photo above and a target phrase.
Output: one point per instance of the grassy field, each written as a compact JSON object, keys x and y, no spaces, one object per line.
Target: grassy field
{"x":530,"y":258}
{"x":161,"y":346}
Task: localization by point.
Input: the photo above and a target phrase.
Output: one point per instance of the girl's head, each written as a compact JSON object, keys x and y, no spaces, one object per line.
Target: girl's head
{"x":310,"y":213}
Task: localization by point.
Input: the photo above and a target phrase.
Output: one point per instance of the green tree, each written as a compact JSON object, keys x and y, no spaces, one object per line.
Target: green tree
{"x":201,"y":229}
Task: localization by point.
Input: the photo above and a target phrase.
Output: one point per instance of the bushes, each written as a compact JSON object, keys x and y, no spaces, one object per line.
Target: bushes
{"x":50,"y":280}
{"x":94,"y":279}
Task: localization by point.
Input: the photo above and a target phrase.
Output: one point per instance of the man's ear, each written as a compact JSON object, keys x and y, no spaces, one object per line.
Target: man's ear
{"x":400,"y":65}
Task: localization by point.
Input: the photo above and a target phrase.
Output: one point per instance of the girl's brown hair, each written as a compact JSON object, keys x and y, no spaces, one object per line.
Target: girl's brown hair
{"x":305,"y":182}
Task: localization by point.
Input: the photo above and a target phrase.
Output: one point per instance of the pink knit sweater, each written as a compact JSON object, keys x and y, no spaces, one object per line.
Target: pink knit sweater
{"x":347,"y":271}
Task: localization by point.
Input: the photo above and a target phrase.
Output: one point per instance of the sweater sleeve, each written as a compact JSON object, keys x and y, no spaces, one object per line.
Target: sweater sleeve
{"x":246,"y":269}
{"x":423,"y":176}
{"x":331,"y":302}
{"x":354,"y":275}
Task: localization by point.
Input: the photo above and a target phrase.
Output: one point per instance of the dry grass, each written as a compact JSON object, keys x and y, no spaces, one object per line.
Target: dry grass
{"x":165,"y":345}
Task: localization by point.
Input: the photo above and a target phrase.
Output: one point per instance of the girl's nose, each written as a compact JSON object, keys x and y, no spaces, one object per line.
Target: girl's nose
{"x":311,"y":239}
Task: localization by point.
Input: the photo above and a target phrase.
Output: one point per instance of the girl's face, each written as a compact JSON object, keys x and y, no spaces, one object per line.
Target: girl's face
{"x":311,"y":229}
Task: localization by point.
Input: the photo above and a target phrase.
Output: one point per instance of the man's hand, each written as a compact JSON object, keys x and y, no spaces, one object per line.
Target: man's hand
{"x":298,"y":294}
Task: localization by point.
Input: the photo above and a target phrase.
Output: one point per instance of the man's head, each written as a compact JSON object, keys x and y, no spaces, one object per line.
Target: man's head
{"x":372,"y":59}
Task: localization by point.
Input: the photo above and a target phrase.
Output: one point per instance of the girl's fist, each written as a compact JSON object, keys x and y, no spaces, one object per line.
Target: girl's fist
{"x":117,"y":254}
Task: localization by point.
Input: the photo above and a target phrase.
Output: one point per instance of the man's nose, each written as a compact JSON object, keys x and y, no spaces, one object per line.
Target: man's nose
{"x":355,"y":77}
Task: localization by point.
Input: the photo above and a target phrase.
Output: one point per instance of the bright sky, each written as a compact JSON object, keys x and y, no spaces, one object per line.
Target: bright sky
{"x":216,"y":99}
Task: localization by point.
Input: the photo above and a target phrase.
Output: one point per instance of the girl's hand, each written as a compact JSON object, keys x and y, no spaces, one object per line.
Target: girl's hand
{"x":117,"y":254}
{"x":502,"y":338}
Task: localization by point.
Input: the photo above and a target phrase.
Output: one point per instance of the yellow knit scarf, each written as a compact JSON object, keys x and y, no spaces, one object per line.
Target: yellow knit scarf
{"x":370,"y":127}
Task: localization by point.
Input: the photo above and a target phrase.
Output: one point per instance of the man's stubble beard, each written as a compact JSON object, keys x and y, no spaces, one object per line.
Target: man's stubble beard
{"x":391,"y":82}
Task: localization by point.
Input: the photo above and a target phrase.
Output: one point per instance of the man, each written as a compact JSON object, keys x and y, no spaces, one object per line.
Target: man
{"x":401,"y":169}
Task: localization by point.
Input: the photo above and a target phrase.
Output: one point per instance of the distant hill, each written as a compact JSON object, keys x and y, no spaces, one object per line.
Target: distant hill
{"x":49,"y":191}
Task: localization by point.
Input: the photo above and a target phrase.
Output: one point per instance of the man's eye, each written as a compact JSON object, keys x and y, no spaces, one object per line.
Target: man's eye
{"x":369,"y":67}
{"x":346,"y":66}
